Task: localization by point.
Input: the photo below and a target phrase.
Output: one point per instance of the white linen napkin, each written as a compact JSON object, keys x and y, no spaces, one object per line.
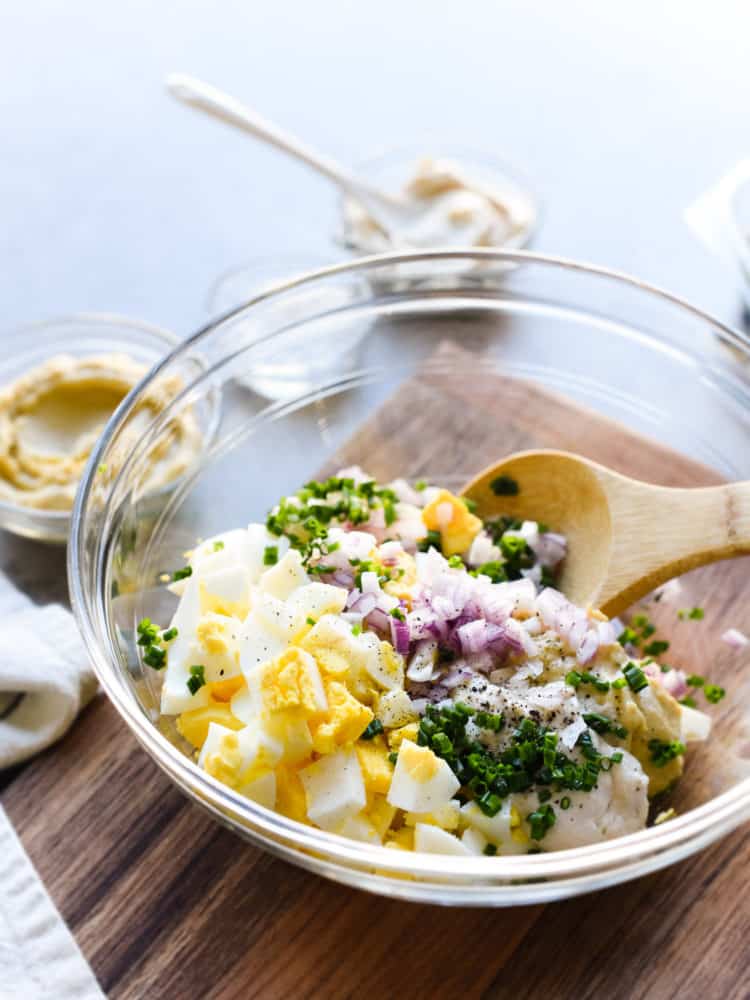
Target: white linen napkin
{"x":45,"y":675}
{"x":45,"y":680}
{"x":39,"y":959}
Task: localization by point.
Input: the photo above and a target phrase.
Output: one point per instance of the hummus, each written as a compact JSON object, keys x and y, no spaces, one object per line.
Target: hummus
{"x":51,"y":417}
{"x":459,"y":209}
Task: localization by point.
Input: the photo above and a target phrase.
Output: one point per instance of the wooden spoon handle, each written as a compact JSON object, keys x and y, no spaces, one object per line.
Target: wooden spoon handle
{"x":660,"y":533}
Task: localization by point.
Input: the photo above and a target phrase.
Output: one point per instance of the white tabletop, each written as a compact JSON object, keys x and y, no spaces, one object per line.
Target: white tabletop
{"x":114,"y":198}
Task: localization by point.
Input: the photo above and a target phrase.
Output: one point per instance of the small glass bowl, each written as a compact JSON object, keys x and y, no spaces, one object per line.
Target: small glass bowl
{"x":614,"y":346}
{"x":81,"y":335}
{"x":391,"y":170}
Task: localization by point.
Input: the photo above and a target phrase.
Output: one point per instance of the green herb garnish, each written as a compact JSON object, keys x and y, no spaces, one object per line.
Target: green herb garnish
{"x":541,"y":820}
{"x":656,"y":648}
{"x":635,"y":677}
{"x":270,"y":555}
{"x":691,"y":614}
{"x":197,"y":678}
{"x":374,"y":729}
{"x":182,"y":574}
{"x":602,"y":724}
{"x":713,"y":693}
{"x":504,"y":486}
{"x":662,"y":751}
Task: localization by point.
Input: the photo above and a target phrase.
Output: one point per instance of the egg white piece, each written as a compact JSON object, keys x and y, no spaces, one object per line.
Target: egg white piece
{"x":395,"y":709}
{"x":258,"y":540}
{"x":334,"y":788}
{"x":695,"y":726}
{"x":230,"y":585}
{"x":258,"y":644}
{"x":315,"y":600}
{"x":175,"y":694}
{"x":495,"y":829}
{"x":421,"y":782}
{"x":261,"y":790}
{"x":473,"y":840}
{"x":257,"y":748}
{"x":285,"y":577}
{"x":432,"y":840}
{"x":359,"y":828}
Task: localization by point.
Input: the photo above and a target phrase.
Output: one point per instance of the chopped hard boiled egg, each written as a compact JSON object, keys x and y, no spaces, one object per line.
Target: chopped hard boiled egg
{"x":433,"y":840}
{"x":421,"y":781}
{"x":334,"y":789}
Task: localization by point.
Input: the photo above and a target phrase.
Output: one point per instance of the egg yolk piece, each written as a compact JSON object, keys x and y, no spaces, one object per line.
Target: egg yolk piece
{"x":449,"y":515}
{"x":344,"y":722}
{"x":292,"y":681}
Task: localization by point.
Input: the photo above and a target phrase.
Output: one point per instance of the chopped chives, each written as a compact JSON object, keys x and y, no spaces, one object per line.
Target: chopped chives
{"x":197,"y":678}
{"x":182,"y":574}
{"x":713,"y":692}
{"x":635,"y":677}
{"x":373,"y":730}
{"x":656,"y":648}
{"x":270,"y":555}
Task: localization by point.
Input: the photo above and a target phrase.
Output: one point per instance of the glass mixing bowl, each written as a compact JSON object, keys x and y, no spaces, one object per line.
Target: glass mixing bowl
{"x":618,"y":349}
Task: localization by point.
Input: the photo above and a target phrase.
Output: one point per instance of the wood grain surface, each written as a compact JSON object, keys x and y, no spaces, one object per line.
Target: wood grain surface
{"x":167,"y":904}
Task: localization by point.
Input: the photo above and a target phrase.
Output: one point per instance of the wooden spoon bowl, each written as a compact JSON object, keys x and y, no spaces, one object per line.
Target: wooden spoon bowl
{"x":625,"y":537}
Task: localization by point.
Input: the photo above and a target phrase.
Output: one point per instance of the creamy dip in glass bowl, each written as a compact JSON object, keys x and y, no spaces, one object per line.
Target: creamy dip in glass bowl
{"x":468,"y":199}
{"x":613,"y":347}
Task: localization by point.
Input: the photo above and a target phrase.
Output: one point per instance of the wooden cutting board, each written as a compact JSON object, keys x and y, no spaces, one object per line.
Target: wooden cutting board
{"x":167,"y":904}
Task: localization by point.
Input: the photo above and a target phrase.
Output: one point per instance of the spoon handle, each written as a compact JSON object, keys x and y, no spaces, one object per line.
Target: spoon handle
{"x":226,"y":108}
{"x":661,"y":533}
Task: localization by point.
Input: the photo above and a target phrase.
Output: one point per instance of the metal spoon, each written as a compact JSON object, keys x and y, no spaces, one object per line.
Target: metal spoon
{"x":388,"y":211}
{"x":625,"y":537}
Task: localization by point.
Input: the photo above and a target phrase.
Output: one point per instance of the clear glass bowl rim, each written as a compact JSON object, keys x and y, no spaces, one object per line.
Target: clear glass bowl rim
{"x":580,"y":869}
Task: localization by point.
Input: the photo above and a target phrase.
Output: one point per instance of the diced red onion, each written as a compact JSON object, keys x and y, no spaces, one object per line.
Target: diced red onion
{"x":353,"y":617}
{"x":734,"y":638}
{"x":380,"y":620}
{"x":549,"y":604}
{"x":675,"y":682}
{"x":406,"y":493}
{"x":550,"y":549}
{"x":668,"y":591}
{"x":653,"y":671}
{"x":588,"y":648}
{"x":400,"y":636}
{"x":429,"y":692}
{"x":390,"y":552}
{"x":459,"y":675}
{"x":482,"y":550}
{"x":607,"y":633}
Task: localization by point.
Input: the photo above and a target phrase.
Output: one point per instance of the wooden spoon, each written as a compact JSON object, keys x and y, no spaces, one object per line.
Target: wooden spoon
{"x":625,"y":537}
